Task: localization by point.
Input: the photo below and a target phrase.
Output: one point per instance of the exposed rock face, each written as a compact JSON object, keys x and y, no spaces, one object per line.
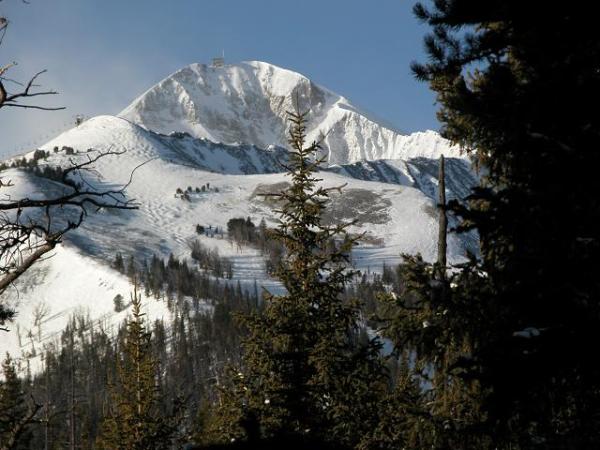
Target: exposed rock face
{"x":248,"y":102}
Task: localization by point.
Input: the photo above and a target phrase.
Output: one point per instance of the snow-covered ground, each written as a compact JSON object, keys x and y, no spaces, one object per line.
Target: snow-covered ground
{"x":392,"y":199}
{"x":66,"y":283}
{"x":248,"y":102}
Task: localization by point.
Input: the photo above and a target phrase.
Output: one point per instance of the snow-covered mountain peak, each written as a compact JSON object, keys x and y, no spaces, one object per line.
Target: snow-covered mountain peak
{"x":202,"y":145}
{"x":248,"y":102}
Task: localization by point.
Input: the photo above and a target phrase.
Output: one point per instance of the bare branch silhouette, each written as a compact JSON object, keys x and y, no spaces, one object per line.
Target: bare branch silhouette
{"x":25,"y":239}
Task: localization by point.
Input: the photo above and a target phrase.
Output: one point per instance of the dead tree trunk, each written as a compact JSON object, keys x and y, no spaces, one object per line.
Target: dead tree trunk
{"x":443,"y":221}
{"x":72,"y":444}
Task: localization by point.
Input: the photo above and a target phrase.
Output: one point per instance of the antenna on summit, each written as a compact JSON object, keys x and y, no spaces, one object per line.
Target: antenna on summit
{"x":219,"y":61}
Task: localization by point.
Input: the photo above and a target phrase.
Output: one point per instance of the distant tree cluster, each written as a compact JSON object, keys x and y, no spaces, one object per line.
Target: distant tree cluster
{"x":24,"y":163}
{"x":119,"y":303}
{"x":210,"y":261}
{"x":54,"y":173}
{"x":242,"y":231}
{"x":176,"y":280}
{"x":209,"y":231}
{"x":186,"y":194}
{"x":245,"y":232}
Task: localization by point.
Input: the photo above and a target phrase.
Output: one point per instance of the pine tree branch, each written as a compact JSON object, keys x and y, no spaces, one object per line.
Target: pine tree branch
{"x":20,"y":426}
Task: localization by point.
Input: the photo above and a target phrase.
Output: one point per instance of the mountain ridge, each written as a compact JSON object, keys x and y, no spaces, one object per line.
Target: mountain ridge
{"x":248,"y":102}
{"x":394,"y":199}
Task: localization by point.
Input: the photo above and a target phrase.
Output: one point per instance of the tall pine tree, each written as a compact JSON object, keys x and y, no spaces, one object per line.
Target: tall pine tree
{"x":305,"y":373}
{"x":136,"y":419}
{"x":17,"y":413}
{"x":509,"y":343}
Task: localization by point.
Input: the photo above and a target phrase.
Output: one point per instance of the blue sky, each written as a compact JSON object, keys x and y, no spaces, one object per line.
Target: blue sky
{"x":100,"y":55}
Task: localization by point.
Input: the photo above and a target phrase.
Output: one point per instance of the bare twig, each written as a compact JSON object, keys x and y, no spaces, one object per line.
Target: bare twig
{"x":7,"y":99}
{"x":23,"y":241}
{"x":19,"y":426}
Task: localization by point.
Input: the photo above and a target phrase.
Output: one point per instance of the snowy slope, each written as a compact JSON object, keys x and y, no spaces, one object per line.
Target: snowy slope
{"x":225,"y":128}
{"x":66,"y":283}
{"x":397,"y":219}
{"x":420,"y":173}
{"x":165,"y":222}
{"x":117,"y":134}
{"x":248,"y":102}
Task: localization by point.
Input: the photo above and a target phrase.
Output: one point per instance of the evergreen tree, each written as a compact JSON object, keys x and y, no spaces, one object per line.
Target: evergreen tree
{"x":305,"y":373}
{"x":136,"y":419}
{"x":131,"y":269}
{"x":16,"y":413}
{"x":118,"y":264}
{"x":505,"y":341}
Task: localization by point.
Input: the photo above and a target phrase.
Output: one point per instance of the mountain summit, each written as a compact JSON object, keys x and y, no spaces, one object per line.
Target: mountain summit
{"x":248,"y":103}
{"x":204,"y":145}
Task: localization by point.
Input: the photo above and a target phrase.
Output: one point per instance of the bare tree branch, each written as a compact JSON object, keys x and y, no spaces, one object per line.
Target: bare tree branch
{"x":20,"y":426}
{"x":28,"y":230}
{"x":24,"y":240}
{"x":26,"y":264}
{"x":13,"y":99}
{"x":43,"y":108}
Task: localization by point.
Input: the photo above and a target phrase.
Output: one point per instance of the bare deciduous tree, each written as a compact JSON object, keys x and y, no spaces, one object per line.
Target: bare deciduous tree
{"x":30,"y":228}
{"x":25,"y":90}
{"x":40,"y":311}
{"x":20,"y":426}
